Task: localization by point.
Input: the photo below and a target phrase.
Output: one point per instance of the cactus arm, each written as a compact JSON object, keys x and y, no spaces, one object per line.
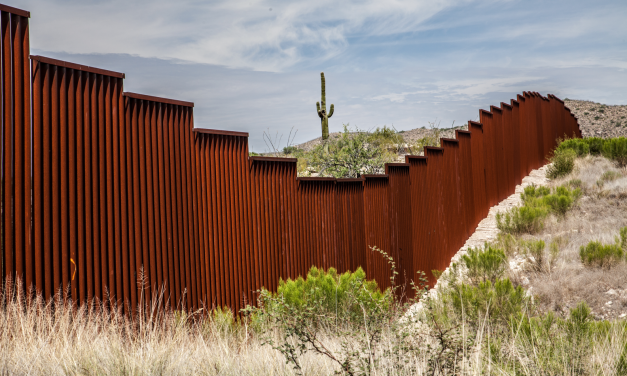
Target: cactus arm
{"x":319,"y":112}
{"x":331,"y":111}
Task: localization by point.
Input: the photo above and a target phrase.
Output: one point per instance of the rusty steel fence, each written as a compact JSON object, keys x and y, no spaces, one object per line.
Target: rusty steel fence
{"x":116,"y":196}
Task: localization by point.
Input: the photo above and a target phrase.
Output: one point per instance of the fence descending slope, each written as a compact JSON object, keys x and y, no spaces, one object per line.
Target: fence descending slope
{"x":120,"y":196}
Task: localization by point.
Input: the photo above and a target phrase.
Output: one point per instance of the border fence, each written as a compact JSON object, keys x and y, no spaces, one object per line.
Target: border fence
{"x":116,"y":196}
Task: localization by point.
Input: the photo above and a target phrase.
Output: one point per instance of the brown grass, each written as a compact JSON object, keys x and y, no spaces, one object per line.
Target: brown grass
{"x":598,"y":216}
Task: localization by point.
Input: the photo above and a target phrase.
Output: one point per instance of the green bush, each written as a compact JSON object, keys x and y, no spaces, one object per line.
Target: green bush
{"x":329,"y":292}
{"x":499,"y":301}
{"x":485,"y":264}
{"x":535,"y":249}
{"x":616,"y":149}
{"x":538,"y":203}
{"x":596,"y":254}
{"x":563,"y":163}
{"x":623,"y":238}
{"x":558,"y":346}
{"x":290,"y":150}
{"x":523,"y":219}
{"x":352,"y":154}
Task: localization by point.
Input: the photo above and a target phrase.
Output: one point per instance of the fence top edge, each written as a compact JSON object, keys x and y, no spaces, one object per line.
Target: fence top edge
{"x":514,"y":102}
{"x":434,"y":148}
{"x":506,"y":106}
{"x":220,"y":132}
{"x":494,"y":109}
{"x":453,"y":140}
{"x":349,"y":180}
{"x":273,"y":159}
{"x":158,"y":99}
{"x":520,"y":98}
{"x":475,"y":123}
{"x":84,"y":68}
{"x":462,"y":132}
{"x":375,"y":176}
{"x":417,"y":157}
{"x":397,"y":164}
{"x":19,"y":12}
{"x":315,"y":178}
{"x":485,"y":112}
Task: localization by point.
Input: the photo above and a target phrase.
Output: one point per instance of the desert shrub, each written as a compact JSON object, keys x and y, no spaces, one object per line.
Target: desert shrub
{"x":386,"y":138}
{"x":535,"y":252}
{"x":331,"y":292}
{"x":532,"y":192}
{"x":578,"y":145}
{"x":561,"y":200}
{"x":497,"y":301}
{"x":350,"y":155}
{"x":538,"y":203}
{"x":575,"y":183}
{"x":596,"y":254}
{"x":616,"y":149}
{"x":623,"y":238}
{"x":607,"y":176}
{"x":558,"y":346}
{"x":486,"y":264}
{"x":554,"y":250}
{"x":290,"y":150}
{"x":523,"y":219}
{"x":563,"y":163}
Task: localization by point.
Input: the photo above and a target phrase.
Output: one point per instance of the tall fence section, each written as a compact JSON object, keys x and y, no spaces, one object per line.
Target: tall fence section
{"x":116,"y":196}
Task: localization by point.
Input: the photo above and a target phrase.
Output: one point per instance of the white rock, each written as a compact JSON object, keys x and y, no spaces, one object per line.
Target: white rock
{"x":608,"y":303}
{"x":622,"y":315}
{"x":525,"y":281}
{"x":611,"y":292}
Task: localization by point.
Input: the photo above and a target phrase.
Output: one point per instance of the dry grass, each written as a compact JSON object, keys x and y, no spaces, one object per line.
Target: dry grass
{"x":61,"y":339}
{"x":598,"y":216}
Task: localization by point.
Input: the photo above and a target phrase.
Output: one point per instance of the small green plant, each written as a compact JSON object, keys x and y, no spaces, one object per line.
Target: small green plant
{"x":596,"y":254}
{"x":498,"y":301}
{"x":486,"y":264}
{"x":575,"y":183}
{"x":290,"y":150}
{"x":586,"y":113}
{"x":535,"y":251}
{"x":538,"y":203}
{"x":597,"y":117}
{"x":332,"y":291}
{"x":554,"y":250}
{"x":523,"y":219}
{"x":616,"y":149}
{"x":562,"y":163}
{"x":610,"y":176}
{"x":436,"y":273}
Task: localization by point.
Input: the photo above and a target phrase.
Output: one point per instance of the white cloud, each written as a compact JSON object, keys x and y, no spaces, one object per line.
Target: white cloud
{"x":234,"y":33}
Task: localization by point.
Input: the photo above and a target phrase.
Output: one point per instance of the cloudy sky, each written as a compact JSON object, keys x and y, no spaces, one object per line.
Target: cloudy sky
{"x":254,"y":65}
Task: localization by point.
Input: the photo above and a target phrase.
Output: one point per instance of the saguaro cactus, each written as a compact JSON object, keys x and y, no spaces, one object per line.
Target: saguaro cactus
{"x":322,"y":110}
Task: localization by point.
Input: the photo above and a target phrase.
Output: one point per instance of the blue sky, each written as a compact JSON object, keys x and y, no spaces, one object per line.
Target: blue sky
{"x":254,"y":65}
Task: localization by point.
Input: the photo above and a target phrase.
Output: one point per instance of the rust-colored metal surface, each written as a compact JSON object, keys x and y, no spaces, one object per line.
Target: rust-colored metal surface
{"x":130,"y":201}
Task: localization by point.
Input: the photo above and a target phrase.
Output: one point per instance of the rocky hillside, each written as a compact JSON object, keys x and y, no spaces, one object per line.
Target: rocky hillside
{"x":599,"y":120}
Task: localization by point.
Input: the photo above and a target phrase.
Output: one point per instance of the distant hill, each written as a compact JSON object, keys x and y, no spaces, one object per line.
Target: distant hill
{"x":599,"y":120}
